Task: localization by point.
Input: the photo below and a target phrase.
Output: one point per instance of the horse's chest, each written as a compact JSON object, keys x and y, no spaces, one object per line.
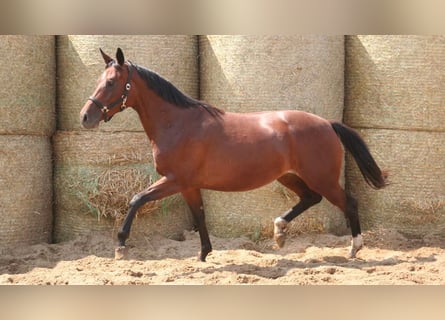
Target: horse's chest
{"x":167,"y":161}
{"x":161,"y":161}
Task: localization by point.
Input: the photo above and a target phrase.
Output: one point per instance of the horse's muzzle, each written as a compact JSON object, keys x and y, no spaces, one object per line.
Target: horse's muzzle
{"x":89,"y":121}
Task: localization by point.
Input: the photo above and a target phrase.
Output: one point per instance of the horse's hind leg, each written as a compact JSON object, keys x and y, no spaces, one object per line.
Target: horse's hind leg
{"x":337,"y":196}
{"x":308,"y":198}
{"x":194,"y":201}
{"x":351,"y":213}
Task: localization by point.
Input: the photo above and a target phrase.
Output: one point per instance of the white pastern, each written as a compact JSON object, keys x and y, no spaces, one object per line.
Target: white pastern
{"x":279,"y":225}
{"x":357,"y":242}
{"x":279,"y":231}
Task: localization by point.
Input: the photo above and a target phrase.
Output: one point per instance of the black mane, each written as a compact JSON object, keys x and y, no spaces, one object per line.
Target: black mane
{"x":167,"y":91}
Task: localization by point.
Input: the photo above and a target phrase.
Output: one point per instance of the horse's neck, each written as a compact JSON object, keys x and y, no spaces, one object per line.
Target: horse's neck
{"x":158,"y":117}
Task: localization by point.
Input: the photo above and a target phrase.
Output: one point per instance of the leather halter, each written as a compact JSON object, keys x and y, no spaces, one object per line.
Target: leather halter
{"x":122,"y":100}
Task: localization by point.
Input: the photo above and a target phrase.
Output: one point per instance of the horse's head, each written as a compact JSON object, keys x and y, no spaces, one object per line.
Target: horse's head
{"x":111,"y":93}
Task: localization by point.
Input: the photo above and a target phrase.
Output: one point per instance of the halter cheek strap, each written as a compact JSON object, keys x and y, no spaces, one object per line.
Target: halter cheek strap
{"x":122,"y":100}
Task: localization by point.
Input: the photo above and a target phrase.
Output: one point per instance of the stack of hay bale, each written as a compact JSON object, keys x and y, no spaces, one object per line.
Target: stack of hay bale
{"x":26,"y":124}
{"x":394,"y":96}
{"x":98,"y":171}
{"x":395,"y":93}
{"x":258,"y":73}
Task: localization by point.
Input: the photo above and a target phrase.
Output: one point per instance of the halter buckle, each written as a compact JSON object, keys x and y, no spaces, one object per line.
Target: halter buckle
{"x":124,"y":101}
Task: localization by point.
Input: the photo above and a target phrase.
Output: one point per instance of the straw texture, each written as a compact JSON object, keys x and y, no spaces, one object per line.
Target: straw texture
{"x":255,"y":73}
{"x":96,"y":174}
{"x":395,"y":82}
{"x":26,"y":190}
{"x":80,"y":65}
{"x":414,"y":202}
{"x":28,"y":78}
{"x":395,"y":92}
{"x":27,"y":120}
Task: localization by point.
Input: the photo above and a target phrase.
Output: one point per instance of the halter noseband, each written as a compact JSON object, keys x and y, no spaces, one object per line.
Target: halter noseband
{"x":122,"y":100}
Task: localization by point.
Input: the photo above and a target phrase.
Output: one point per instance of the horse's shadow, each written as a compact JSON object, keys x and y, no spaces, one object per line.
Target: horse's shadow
{"x":285,"y":266}
{"x":47,"y":256}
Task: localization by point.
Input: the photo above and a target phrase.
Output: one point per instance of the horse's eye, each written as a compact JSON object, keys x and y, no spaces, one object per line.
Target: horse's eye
{"x":110,"y":83}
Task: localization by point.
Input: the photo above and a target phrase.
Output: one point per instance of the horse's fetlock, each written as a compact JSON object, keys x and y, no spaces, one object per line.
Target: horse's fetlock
{"x":280,"y":225}
{"x":205,"y":250}
{"x":122,"y":236}
{"x":356,"y":245}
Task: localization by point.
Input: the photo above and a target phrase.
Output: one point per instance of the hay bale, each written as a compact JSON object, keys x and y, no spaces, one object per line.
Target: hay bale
{"x":255,"y":73}
{"x":95,"y":176}
{"x":414,"y":202}
{"x":80,"y":65}
{"x":26,"y":190}
{"x":395,"y":93}
{"x":28,"y":85}
{"x":395,"y":82}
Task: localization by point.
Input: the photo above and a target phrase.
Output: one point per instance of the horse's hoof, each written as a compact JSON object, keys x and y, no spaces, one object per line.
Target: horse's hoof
{"x":280,"y":239}
{"x":121,"y":253}
{"x":280,"y":226}
{"x":203,"y":254}
{"x":353,"y":253}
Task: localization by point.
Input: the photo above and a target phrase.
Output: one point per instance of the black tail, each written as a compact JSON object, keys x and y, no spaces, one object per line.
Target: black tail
{"x":352,"y":142}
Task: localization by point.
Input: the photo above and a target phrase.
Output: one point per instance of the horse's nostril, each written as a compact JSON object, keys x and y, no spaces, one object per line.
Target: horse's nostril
{"x":85,"y":118}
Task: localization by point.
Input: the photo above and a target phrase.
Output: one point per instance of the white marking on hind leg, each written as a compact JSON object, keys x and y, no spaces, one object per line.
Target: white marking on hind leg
{"x":279,"y":225}
{"x":357,"y":244}
{"x":279,"y":231}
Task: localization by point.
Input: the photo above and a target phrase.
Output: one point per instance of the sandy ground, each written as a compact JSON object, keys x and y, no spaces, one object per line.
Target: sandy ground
{"x":388,"y":258}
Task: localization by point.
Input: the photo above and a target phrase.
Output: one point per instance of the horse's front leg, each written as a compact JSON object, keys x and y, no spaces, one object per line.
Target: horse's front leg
{"x":194,"y":201}
{"x":162,"y":188}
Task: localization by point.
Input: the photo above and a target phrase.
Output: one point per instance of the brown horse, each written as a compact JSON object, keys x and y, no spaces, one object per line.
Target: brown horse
{"x":197,"y":146}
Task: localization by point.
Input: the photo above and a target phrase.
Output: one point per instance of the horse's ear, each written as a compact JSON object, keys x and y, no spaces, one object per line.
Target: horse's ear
{"x":120,"y":56}
{"x":106,"y":57}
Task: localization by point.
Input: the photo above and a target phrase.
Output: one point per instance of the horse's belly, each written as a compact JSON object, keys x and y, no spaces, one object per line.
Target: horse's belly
{"x":244,"y":168}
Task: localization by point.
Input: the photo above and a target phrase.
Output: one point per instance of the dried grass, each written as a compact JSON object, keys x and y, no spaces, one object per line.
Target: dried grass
{"x":27,"y":101}
{"x":414,"y":201}
{"x":115,"y":189}
{"x":104,"y":170}
{"x":255,"y":73}
{"x":395,"y":82}
{"x":80,"y":65}
{"x":395,"y":89}
{"x":95,"y":176}
{"x":26,"y":190}
{"x":98,"y":148}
